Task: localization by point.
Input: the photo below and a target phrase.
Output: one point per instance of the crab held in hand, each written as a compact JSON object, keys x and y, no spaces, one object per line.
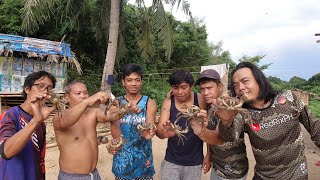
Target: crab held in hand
{"x":145,"y":126}
{"x":230,"y":103}
{"x":57,"y":100}
{"x":192,"y":115}
{"x":115,"y":144}
{"x":123,"y":109}
{"x":179,"y":131}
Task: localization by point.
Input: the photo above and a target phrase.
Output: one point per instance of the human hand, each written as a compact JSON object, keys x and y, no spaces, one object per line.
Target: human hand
{"x":167,"y":129}
{"x":98,"y":98}
{"x":40,"y":110}
{"x":114,"y":145}
{"x":134,"y":108}
{"x":149,"y":133}
{"x":206,"y":164}
{"x":226,"y":115}
{"x":199,"y":123}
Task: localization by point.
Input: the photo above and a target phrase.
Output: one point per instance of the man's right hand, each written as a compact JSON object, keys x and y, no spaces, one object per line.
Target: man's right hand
{"x":40,"y":110}
{"x":98,"y":98}
{"x":167,"y":129}
{"x":226,"y":115}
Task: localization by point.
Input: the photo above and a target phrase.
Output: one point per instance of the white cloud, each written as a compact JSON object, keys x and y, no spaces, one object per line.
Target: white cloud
{"x":281,"y":29}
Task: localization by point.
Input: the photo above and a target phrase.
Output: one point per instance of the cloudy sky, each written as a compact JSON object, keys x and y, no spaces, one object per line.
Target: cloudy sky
{"x":281,"y":29}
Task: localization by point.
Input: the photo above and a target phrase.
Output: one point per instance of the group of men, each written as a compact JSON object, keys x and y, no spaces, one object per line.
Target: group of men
{"x":272,"y":124}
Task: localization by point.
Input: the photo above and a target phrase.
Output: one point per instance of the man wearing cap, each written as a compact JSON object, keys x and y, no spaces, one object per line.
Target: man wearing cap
{"x":229,"y":160}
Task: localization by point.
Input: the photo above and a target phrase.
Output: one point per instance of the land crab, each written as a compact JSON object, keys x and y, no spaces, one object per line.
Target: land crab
{"x":115,"y":144}
{"x":231,"y":103}
{"x":191,"y":115}
{"x":57,"y":100}
{"x":179,"y":131}
{"x":145,"y":126}
{"x":123,"y":109}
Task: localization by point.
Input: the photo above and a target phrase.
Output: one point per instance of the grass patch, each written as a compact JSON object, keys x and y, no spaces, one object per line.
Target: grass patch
{"x":314,"y":106}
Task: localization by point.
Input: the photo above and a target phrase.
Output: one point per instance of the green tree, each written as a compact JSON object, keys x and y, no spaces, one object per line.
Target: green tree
{"x":297,"y":82}
{"x":279,"y":84}
{"x":255,"y":60}
{"x":10,"y":11}
{"x":37,"y":12}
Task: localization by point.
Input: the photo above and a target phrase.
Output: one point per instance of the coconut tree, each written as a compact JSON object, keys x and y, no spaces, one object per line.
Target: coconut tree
{"x":36,"y":12}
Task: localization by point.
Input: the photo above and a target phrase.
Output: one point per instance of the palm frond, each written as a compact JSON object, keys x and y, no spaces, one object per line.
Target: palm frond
{"x":145,"y":42}
{"x":100,"y":18}
{"x":36,"y":12}
{"x":161,"y":25}
{"x":185,"y":6}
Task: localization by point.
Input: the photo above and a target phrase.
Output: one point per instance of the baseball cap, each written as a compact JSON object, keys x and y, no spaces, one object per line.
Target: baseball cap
{"x":210,"y":74}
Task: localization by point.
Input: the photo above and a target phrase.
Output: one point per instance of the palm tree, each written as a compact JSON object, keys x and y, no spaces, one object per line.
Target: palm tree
{"x":36,"y":12}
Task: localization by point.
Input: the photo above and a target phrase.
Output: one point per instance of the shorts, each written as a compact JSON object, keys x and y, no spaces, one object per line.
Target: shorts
{"x":170,"y":171}
{"x":94,"y":175}
{"x":138,"y":178}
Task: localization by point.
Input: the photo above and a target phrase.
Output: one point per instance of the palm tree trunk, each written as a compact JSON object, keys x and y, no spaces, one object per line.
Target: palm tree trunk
{"x":112,"y":44}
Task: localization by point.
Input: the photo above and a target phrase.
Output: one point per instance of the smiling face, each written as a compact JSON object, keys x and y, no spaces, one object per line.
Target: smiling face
{"x":210,"y":90}
{"x":78,"y":92}
{"x":245,"y":85}
{"x":132,"y":83}
{"x":182,"y":91}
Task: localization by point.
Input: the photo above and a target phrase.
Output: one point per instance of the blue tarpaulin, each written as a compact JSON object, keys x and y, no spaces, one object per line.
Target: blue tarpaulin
{"x":39,"y":46}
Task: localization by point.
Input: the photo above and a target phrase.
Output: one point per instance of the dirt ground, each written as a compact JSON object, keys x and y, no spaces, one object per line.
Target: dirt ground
{"x":159,"y":147}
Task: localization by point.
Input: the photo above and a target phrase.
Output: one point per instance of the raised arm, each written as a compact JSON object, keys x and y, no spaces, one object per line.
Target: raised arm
{"x":13,"y":142}
{"x":71,"y":116}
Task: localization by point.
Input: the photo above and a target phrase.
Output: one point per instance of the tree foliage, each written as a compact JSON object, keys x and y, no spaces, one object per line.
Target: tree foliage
{"x":10,"y":11}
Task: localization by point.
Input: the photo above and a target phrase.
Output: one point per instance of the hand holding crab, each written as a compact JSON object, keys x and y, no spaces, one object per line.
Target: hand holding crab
{"x":121,"y":109}
{"x":200,"y":122}
{"x":196,"y":117}
{"x":147,"y":130}
{"x":59,"y":102}
{"x":115,"y":144}
{"x":227,"y":107}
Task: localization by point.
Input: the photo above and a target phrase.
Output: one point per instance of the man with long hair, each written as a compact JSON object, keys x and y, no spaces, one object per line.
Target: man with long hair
{"x":273,"y":125}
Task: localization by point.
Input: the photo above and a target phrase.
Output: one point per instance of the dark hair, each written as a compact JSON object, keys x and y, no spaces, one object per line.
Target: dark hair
{"x":266,"y":91}
{"x":132,"y":68}
{"x":31,"y":78}
{"x":67,"y":89}
{"x":179,"y":76}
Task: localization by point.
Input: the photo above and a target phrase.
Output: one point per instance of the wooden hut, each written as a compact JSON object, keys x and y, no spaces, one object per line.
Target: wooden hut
{"x":21,"y":56}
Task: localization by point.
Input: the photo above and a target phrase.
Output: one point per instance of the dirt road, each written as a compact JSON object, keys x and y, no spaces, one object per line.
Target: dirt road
{"x":159,"y":147}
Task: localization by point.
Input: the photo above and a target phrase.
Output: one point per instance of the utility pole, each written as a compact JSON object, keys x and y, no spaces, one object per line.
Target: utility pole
{"x":317,"y":34}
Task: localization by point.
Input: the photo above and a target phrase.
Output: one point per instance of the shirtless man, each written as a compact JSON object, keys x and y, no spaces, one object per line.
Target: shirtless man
{"x":76,"y":134}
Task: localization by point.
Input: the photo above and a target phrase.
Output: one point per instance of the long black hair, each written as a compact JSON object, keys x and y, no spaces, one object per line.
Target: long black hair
{"x":266,"y":90}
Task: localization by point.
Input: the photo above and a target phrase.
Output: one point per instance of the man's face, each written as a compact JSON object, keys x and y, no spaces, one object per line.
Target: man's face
{"x":42,"y":85}
{"x":132,"y":83}
{"x":181,"y":91}
{"x":245,"y":85}
{"x":210,"y":90}
{"x":78,"y":92}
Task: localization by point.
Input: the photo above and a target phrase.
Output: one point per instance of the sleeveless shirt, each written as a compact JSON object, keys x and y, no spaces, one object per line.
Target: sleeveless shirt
{"x":129,"y":162}
{"x":189,"y":154}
